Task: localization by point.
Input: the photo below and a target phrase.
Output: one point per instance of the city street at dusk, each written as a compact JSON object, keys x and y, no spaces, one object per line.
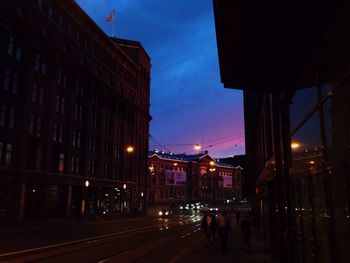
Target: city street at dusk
{"x":175,"y":131}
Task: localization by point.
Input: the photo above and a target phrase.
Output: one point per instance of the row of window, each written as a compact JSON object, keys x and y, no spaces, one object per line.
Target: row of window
{"x":7,"y":116}
{"x":5,"y":153}
{"x":91,"y":45}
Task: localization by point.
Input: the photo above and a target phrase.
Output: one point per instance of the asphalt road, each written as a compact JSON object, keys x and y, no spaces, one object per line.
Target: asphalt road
{"x":122,"y":240}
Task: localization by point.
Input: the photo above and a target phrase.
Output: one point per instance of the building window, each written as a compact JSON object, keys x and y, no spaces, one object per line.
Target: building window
{"x":43,"y":69}
{"x":80,"y":113}
{"x":8,"y":156}
{"x":3,"y":115}
{"x":50,"y":11}
{"x":41,"y":96}
{"x":74,"y":137}
{"x":38,"y":126}
{"x":7,"y":79}
{"x":75,"y":111}
{"x":37,"y":62}
{"x":55,"y":132}
{"x":12,"y":118}
{"x":60,"y":138}
{"x":78,"y":139}
{"x":39,"y":3}
{"x":38,"y":159}
{"x":15,"y":83}
{"x":59,"y":76}
{"x":11,"y":46}
{"x":61,"y":163}
{"x":57,"y":103}
{"x":1,"y":150}
{"x":62,"y":105}
{"x":31,"y":124}
{"x":18,"y":54}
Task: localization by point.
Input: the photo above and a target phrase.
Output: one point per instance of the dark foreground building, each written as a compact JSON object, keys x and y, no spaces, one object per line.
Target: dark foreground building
{"x":71,"y":101}
{"x":292,"y":60}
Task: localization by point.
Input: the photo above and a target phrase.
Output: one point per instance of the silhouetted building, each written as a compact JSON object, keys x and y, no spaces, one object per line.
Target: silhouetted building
{"x":72,"y":100}
{"x":292,"y":64}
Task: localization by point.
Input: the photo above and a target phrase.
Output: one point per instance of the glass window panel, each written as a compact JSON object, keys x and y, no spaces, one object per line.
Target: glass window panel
{"x":303,"y":102}
{"x":309,"y":177}
{"x":336,"y":112}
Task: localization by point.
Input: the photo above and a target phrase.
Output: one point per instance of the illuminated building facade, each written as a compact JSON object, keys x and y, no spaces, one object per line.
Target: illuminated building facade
{"x":198,"y":178}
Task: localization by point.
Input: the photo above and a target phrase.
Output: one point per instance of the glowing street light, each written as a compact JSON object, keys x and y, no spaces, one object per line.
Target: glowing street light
{"x":197,"y":147}
{"x":130,"y":149}
{"x":295,"y":145}
{"x":141,"y":194}
{"x":124,"y":186}
{"x":212,"y":163}
{"x":87,"y":183}
{"x":175,"y":164}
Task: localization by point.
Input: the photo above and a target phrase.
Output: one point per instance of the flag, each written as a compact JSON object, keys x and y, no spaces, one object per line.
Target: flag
{"x":110,"y":17}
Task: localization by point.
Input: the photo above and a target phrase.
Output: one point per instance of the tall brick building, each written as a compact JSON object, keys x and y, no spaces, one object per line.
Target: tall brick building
{"x":72,"y":100}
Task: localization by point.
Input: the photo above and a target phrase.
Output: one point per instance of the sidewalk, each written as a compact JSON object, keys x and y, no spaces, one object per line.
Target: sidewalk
{"x":257,"y":254}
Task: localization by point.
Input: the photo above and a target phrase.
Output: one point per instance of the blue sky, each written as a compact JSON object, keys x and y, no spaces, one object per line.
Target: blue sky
{"x":188,"y":102}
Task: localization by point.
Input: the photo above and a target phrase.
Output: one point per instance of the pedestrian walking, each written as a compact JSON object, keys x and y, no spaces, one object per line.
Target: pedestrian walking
{"x":224,"y":223}
{"x":238,"y":216}
{"x":246,"y":228}
{"x":209,"y":226}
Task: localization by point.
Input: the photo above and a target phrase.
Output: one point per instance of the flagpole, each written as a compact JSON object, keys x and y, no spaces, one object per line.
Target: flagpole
{"x":113,"y":23}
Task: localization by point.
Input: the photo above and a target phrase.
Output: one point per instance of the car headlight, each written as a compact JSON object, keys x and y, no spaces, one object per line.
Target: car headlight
{"x":181,"y":207}
{"x":198,"y":207}
{"x":166,"y":213}
{"x":160,"y":213}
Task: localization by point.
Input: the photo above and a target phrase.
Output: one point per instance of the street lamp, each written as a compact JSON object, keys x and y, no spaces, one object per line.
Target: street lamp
{"x":124,"y":186}
{"x":197,"y":147}
{"x":87,"y":183}
{"x":130,"y":149}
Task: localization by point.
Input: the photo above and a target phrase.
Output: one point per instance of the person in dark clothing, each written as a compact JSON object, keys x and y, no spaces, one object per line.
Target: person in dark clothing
{"x":209,"y":226}
{"x":246,"y":231}
{"x":223,"y":222}
{"x":238,"y":216}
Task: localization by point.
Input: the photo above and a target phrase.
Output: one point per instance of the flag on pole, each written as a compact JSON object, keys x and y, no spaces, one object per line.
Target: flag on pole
{"x":110,"y":17}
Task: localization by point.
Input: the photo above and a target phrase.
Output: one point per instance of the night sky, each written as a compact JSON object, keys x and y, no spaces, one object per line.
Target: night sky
{"x":188,"y":103}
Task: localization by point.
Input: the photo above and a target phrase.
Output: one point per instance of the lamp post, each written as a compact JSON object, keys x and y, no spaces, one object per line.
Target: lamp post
{"x":130,"y":149}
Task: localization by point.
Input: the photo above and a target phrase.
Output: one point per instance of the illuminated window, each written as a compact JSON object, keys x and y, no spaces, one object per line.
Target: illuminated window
{"x":61,"y":163}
